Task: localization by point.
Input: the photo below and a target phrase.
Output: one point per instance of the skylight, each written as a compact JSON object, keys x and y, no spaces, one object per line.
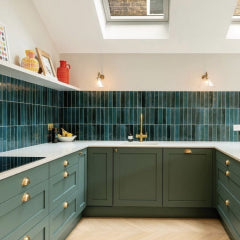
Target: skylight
{"x":136,"y":10}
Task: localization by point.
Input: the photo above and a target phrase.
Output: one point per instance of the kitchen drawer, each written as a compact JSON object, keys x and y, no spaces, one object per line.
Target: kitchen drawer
{"x":229,"y":179}
{"x":39,"y":232}
{"x":61,"y":185}
{"x":228,"y":162}
{"x":62,"y":218}
{"x":232,"y":211}
{"x":16,"y":215}
{"x":64,"y":163}
{"x":13,"y":185}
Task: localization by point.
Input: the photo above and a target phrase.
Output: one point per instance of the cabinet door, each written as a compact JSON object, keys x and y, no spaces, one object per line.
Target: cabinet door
{"x":187,"y":178}
{"x":137,"y":177}
{"x":83,"y":180}
{"x":99,"y":175}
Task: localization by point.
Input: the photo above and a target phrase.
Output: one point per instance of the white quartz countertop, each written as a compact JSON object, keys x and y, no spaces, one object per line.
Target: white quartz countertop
{"x":52,"y":151}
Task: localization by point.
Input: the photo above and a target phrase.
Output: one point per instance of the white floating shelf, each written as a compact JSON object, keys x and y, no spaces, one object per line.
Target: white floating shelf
{"x":14,"y":71}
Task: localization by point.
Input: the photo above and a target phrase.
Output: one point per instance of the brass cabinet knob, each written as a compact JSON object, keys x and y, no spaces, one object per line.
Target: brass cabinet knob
{"x":187,"y":151}
{"x":115,"y":150}
{"x":227,"y":173}
{"x":65,"y":174}
{"x":227,"y":162}
{"x":80,"y":153}
{"x":26,"y":197}
{"x":26,"y":238}
{"x":65,"y":163}
{"x":25,"y":181}
{"x":65,"y":204}
{"x":227,"y":202}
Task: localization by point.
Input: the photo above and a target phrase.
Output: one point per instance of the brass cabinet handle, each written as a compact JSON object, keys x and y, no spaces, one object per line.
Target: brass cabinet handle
{"x":26,"y":238}
{"x":65,"y":205}
{"x":65,"y":163}
{"x":80,"y":153}
{"x":26,"y":197}
{"x":227,"y":162}
{"x":115,"y":150}
{"x":26,"y":181}
{"x":65,"y":174}
{"x":227,"y":173}
{"x":227,"y":202}
{"x":187,"y":151}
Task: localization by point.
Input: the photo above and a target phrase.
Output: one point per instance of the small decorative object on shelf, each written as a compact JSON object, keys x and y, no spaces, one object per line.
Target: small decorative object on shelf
{"x":30,"y":62}
{"x":46,"y":63}
{"x":4,"y":51}
{"x":63,"y":72}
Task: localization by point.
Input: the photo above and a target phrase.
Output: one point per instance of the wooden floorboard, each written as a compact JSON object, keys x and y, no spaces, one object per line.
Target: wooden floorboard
{"x":148,"y":229}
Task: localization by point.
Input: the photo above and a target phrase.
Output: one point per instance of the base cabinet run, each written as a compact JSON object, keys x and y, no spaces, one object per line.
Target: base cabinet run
{"x":150,"y":177}
{"x":48,"y":200}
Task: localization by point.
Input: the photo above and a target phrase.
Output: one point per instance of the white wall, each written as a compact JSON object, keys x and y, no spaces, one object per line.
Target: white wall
{"x":155,"y":71}
{"x":25,"y":29}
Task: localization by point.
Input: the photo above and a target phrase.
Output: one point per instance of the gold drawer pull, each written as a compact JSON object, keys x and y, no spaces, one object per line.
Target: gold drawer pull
{"x":115,"y":150}
{"x":26,"y":238}
{"x":65,"y":174}
{"x":26,"y":197}
{"x":65,"y":205}
{"x":65,"y":163}
{"x":80,"y":153}
{"x":227,"y":162}
{"x":187,"y":151}
{"x":227,"y":173}
{"x":25,"y":181}
{"x":227,"y":202}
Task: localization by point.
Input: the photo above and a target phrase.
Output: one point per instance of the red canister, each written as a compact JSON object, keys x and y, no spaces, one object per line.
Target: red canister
{"x":63,"y":72}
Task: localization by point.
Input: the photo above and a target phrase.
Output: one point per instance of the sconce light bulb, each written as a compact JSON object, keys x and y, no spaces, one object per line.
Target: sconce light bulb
{"x":208,"y":81}
{"x":99,"y":83}
{"x":100,"y":78}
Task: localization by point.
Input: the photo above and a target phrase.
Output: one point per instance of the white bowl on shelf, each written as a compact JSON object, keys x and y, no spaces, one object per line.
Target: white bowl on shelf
{"x":67,"y":139}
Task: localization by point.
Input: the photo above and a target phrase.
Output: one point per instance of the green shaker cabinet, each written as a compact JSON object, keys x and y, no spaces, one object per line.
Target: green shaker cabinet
{"x":137,"y":177}
{"x":45,"y":202}
{"x":188,"y":178}
{"x":83,"y":180}
{"x":228,"y":193}
{"x":100,"y":174}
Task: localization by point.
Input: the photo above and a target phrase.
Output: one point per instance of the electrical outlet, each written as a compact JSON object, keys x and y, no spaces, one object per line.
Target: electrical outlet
{"x":50,"y":126}
{"x":236,"y":127}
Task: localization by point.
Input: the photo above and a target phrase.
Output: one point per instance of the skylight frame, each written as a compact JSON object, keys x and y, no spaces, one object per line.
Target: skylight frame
{"x":149,"y":18}
{"x":235,"y":18}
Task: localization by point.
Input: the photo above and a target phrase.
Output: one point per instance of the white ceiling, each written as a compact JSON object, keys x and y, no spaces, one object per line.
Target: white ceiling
{"x":195,"y":26}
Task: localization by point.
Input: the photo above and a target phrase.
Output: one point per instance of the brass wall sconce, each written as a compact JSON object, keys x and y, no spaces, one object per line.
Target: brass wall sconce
{"x":207,"y":80}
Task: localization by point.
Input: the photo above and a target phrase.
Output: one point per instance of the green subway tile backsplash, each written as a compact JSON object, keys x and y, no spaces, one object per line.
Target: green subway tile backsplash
{"x":25,"y":111}
{"x":168,"y":116}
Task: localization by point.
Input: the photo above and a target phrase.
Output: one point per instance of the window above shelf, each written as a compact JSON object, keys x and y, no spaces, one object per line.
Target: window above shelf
{"x":14,"y":71}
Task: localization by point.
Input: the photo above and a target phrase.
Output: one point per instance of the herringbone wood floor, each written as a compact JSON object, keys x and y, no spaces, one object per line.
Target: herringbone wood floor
{"x":148,"y":229}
